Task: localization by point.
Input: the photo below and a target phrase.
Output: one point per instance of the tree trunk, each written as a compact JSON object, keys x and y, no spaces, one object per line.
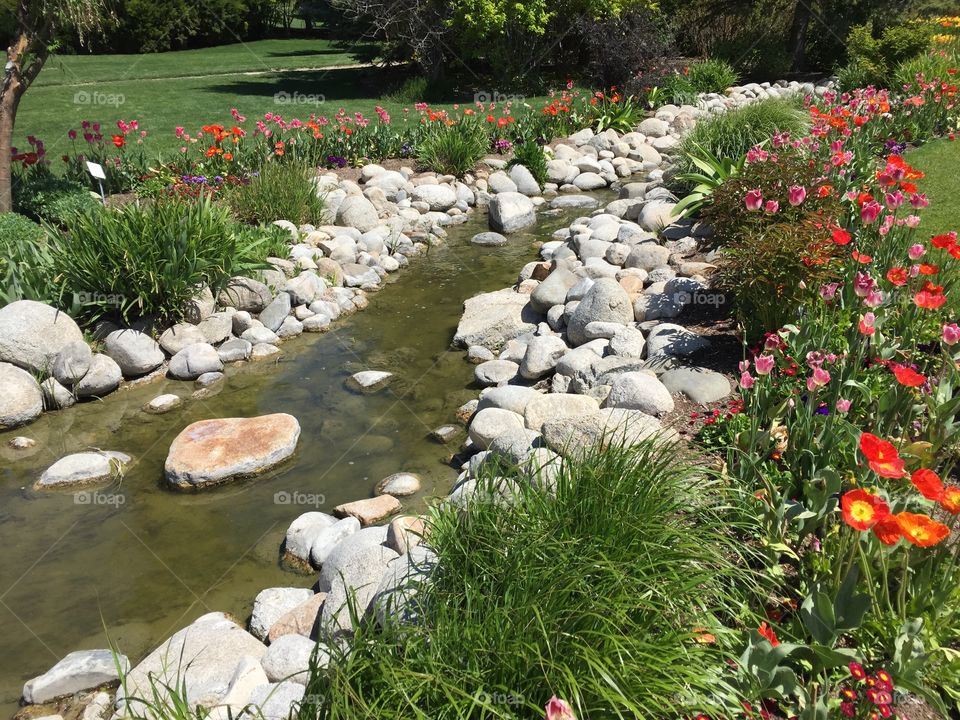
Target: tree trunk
{"x":798,"y":34}
{"x":16,"y":80}
{"x":8,"y":113}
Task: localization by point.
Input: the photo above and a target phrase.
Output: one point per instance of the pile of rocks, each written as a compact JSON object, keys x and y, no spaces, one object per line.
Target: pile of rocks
{"x":579,"y":351}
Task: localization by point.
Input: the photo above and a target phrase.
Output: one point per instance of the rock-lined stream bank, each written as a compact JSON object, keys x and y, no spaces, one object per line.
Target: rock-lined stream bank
{"x":148,"y":560}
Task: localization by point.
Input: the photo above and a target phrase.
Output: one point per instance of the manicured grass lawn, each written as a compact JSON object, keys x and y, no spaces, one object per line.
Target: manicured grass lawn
{"x":939,"y":160}
{"x":163,"y":90}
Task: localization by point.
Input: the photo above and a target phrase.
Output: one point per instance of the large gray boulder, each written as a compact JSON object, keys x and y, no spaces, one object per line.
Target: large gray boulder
{"x":195,"y":360}
{"x":606,"y":301}
{"x":491,"y":319}
{"x":135,"y":352}
{"x":276,"y":312}
{"x":674,"y":341}
{"x":213,"y":650}
{"x":76,"y":672}
{"x":272,"y":604}
{"x":553,"y":290}
{"x":699,"y":384}
{"x":32,"y":334}
{"x":101,"y":379}
{"x":490,"y":423}
{"x":524,"y":180}
{"x":510,"y":212}
{"x":176,"y":337}
{"x":288,"y":659}
{"x":245,"y":294}
{"x":71,"y":363}
{"x":439,"y":197}
{"x":640,"y":391}
{"x":548,"y":408}
{"x":356,"y":583}
{"x":21,"y":401}
{"x":541,"y":357}
{"x":358,"y":212}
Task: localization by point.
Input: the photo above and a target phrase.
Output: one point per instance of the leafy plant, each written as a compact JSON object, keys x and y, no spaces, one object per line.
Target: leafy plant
{"x":713,"y":173}
{"x":453,"y":149}
{"x":148,"y":260}
{"x":530,"y":154}
{"x":711,"y":75}
{"x":41,"y":195}
{"x":610,"y":593}
{"x":280,"y":191}
{"x":616,"y":112}
{"x":26,"y":267}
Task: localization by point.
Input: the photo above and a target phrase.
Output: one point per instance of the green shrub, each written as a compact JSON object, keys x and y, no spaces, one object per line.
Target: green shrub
{"x":412,"y":90}
{"x":712,"y":75}
{"x":732,"y":134}
{"x":41,"y":195}
{"x":932,"y":65}
{"x":595,"y":594}
{"x":678,"y":89}
{"x":530,"y":154}
{"x":772,"y":262}
{"x":147,"y":260}
{"x":281,"y":191}
{"x":26,"y":268}
{"x":874,"y":58}
{"x":453,"y":149}
{"x":616,"y":112}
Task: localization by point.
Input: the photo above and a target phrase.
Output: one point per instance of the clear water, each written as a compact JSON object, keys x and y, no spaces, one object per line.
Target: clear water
{"x":139,"y":562}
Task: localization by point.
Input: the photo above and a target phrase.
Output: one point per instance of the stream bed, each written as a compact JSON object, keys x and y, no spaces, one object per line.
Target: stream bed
{"x":132,"y":562}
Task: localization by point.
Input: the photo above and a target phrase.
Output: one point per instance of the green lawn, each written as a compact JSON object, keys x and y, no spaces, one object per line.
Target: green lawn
{"x":939,"y":160}
{"x":196,"y":87}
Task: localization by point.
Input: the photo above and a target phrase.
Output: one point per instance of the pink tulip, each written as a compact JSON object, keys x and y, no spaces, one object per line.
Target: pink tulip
{"x":916,"y":251}
{"x":746,"y":380}
{"x":867,"y":324}
{"x":873,"y":299}
{"x":951,"y":334}
{"x":764,"y":364}
{"x":771,"y":207}
{"x":754,"y":200}
{"x":894,"y":200}
{"x":818,"y":379}
{"x":743,"y":366}
{"x":558,"y":709}
{"x":796,"y":194}
{"x":912,"y":221}
{"x":862,"y":284}
{"x":829,"y":291}
{"x":870,"y":212}
{"x":843,"y":405}
{"x":919,"y":200}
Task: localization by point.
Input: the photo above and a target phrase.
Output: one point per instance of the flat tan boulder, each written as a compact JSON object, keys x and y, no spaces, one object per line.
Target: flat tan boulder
{"x":210,"y":452}
{"x":369,"y":511}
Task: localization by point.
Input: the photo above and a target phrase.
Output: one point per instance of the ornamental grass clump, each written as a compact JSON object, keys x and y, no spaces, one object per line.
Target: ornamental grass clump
{"x":732,"y":134}
{"x":149,"y":260}
{"x":285,"y":191}
{"x":613,"y":593}
{"x":453,"y":149}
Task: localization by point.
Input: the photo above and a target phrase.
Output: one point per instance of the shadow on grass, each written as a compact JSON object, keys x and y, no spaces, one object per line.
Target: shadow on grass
{"x":336,"y":85}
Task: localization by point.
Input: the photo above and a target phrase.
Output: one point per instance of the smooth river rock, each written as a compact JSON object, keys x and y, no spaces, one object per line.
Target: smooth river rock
{"x":82,"y":469}
{"x":78,"y":671}
{"x":214,"y":649}
{"x":32,"y":334}
{"x":21,"y":401}
{"x":214,"y":451}
{"x":135,"y":352}
{"x":491,"y":319}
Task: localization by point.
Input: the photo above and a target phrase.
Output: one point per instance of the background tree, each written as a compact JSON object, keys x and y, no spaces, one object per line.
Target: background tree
{"x":38,"y":25}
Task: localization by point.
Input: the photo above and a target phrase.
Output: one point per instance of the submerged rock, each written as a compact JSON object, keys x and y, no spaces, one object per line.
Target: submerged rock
{"x":82,"y":469}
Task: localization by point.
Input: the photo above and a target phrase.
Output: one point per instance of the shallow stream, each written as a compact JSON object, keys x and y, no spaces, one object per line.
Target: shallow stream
{"x":135,"y":562}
